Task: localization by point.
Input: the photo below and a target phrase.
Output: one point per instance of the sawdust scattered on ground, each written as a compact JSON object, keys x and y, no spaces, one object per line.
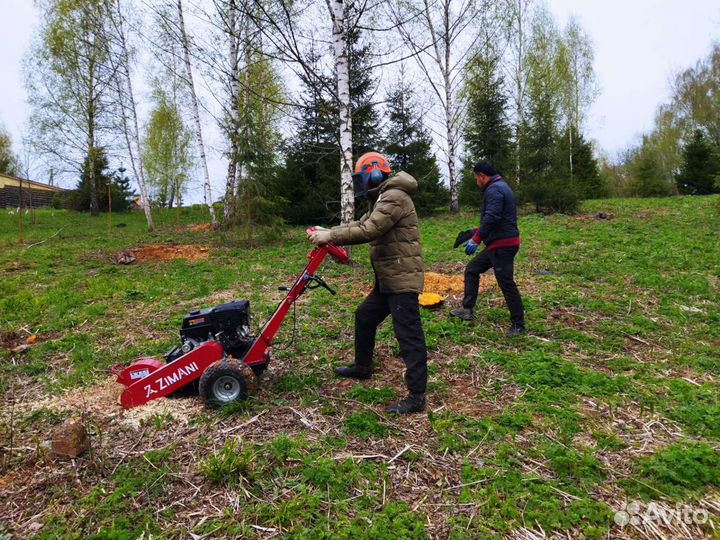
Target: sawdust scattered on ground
{"x":103,"y":400}
{"x":97,"y":399}
{"x":161,"y":252}
{"x":452,"y":283}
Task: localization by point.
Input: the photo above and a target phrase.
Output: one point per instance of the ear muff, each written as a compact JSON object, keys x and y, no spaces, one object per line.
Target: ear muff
{"x":376,"y":176}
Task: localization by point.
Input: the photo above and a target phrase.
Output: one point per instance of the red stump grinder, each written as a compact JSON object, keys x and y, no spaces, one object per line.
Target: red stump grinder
{"x":218,"y":357}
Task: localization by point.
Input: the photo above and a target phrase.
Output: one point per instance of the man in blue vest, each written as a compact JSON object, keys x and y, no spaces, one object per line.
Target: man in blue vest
{"x":499,"y":232}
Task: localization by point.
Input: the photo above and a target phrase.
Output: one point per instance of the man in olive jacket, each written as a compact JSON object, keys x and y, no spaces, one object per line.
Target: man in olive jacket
{"x":391,"y":228}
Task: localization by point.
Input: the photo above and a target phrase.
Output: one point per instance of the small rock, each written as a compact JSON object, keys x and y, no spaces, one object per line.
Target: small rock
{"x":70,"y":439}
{"x":20,"y":348}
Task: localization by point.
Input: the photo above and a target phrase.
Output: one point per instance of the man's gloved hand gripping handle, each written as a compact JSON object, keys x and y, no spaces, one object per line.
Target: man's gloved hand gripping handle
{"x":319,"y":236}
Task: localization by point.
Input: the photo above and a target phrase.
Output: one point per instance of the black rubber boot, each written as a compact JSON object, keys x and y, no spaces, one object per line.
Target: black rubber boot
{"x":516,"y":330}
{"x":354,"y":371}
{"x":410,"y":404}
{"x":463,"y":313}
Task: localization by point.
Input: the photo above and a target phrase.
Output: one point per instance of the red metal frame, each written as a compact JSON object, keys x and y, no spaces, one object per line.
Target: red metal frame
{"x":148,"y":379}
{"x":256,"y":353}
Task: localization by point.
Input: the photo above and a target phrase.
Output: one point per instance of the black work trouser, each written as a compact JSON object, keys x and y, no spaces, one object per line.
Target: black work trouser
{"x":501,"y":260}
{"x":405,"y":312}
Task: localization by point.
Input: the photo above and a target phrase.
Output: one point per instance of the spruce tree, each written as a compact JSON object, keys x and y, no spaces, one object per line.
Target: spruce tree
{"x":408,"y":147}
{"x":700,"y":167}
{"x":585,"y":170}
{"x":119,"y":185}
{"x":487,"y":132}
{"x":646,"y":173}
{"x":310,"y":181}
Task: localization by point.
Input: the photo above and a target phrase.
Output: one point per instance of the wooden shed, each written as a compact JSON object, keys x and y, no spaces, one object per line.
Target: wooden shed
{"x":34,"y":194}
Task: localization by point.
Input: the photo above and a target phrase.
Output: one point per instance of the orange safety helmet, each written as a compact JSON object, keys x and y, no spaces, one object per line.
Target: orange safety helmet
{"x":370,"y":168}
{"x":371,"y":161}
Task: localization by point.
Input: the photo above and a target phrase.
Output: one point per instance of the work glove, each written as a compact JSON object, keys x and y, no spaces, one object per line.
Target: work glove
{"x":471,"y":247}
{"x":463,"y":237}
{"x":320,"y":236}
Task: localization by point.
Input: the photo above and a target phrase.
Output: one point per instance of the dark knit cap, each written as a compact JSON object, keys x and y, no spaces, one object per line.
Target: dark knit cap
{"x":485,"y":168}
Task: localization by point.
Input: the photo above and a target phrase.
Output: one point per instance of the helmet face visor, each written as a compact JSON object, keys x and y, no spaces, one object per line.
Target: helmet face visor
{"x":360,"y":184}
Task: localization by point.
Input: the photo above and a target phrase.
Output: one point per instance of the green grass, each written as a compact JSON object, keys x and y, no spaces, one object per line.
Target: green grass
{"x":677,"y":472}
{"x":624,"y":337}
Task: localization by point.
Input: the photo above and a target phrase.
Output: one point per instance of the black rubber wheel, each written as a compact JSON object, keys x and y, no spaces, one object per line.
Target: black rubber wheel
{"x":226,"y":381}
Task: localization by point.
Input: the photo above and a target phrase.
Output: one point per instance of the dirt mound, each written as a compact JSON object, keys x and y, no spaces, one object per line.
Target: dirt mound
{"x":599,"y":216}
{"x":8,"y":340}
{"x":161,"y":252}
{"x":15,"y":342}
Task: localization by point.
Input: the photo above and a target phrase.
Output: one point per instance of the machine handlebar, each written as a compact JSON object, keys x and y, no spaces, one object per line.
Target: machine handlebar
{"x":336,"y":252}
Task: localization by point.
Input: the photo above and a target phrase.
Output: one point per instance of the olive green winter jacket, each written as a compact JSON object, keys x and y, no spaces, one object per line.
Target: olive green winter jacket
{"x":391,"y":227}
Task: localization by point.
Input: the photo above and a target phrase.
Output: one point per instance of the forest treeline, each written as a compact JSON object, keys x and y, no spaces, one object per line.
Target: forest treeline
{"x":298,"y":90}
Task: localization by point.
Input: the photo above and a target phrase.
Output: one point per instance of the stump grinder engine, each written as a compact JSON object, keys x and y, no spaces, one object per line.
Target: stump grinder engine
{"x":218,"y":357}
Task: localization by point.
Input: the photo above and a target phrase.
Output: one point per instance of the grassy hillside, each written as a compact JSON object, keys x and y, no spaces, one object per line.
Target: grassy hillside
{"x":611,"y":397}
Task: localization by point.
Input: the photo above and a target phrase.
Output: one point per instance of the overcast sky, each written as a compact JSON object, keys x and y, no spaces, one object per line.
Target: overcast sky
{"x":639,"y":45}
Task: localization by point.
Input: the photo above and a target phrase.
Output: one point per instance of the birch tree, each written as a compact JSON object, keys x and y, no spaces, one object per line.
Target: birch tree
{"x":580,"y":88}
{"x":437,"y":34}
{"x":519,"y":13}
{"x":337,"y":11}
{"x":281,"y":24}
{"x":128,"y":110}
{"x":166,"y":150}
{"x":8,"y":159}
{"x":234,"y":112}
{"x":196,"y":111}
{"x":69,"y":79}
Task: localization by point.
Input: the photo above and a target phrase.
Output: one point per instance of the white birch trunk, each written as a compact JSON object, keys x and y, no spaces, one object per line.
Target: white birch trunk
{"x":520,"y":12}
{"x":342,"y":70}
{"x":450,"y":112}
{"x":443,"y":61}
{"x":452,"y":151}
{"x":196,"y":113}
{"x":234,"y":120}
{"x":133,"y":135}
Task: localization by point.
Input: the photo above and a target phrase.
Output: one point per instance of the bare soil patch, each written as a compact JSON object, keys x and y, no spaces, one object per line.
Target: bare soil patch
{"x":162,"y":252}
{"x":8,"y":340}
